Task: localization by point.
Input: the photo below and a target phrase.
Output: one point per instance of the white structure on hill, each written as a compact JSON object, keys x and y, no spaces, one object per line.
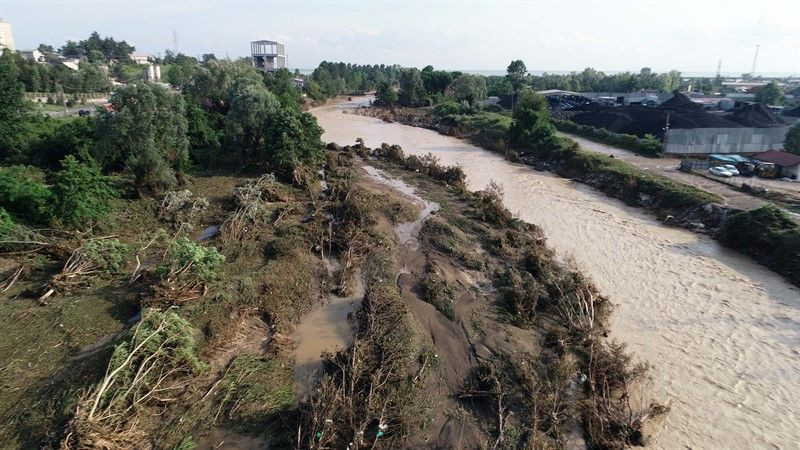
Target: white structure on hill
{"x":33,"y":55}
{"x":141,"y":57}
{"x":268,"y":56}
{"x":6,"y":37}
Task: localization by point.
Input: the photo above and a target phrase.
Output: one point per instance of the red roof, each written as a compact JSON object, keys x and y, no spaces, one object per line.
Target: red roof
{"x":782,"y":159}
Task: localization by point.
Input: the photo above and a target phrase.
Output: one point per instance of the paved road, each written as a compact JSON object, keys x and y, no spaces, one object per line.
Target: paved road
{"x":667,"y":166}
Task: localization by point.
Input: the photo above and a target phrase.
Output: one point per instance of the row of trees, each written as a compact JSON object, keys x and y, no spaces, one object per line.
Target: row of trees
{"x":226,"y":112}
{"x":430,"y":86}
{"x":38,"y":77}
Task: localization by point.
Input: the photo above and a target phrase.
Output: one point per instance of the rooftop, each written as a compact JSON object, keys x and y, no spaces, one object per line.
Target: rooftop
{"x":779,"y":158}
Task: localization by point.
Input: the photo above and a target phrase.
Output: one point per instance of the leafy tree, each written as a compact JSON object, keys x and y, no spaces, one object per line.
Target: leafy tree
{"x":23,"y":194}
{"x":436,"y":81}
{"x":12,"y":102}
{"x":469,"y":88}
{"x":412,"y":90}
{"x":250,"y":104}
{"x":71,"y":137}
{"x":792,"y":143}
{"x":211,"y":83}
{"x":82,"y":195}
{"x":146,"y":132}
{"x":515,"y":74}
{"x":385,"y":95}
{"x":281,"y":83}
{"x":770,"y":94}
{"x":531,"y":128}
{"x":293,"y":140}
{"x":110,"y":48}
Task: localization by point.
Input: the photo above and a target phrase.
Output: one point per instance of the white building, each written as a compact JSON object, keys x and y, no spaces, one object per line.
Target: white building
{"x":141,"y":58}
{"x":6,"y":37}
{"x":268,"y":56}
{"x":33,"y":55}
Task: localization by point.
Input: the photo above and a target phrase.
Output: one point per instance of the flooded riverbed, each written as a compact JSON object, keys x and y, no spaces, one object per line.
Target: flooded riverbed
{"x":722,"y":331}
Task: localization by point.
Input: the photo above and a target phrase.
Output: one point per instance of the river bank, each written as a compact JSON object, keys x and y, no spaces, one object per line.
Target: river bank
{"x":673,"y":201}
{"x":720,"y":329}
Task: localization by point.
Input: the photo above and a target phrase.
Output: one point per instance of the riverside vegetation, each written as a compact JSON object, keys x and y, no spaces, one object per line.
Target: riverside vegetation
{"x":156,"y":259}
{"x":527,"y":134}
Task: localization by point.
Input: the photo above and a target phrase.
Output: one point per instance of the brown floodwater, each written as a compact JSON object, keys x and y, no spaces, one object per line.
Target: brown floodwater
{"x":722,"y":332}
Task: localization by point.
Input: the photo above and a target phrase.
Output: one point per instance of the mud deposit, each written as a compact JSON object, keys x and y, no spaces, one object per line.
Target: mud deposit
{"x":722,"y":332}
{"x":325,"y":329}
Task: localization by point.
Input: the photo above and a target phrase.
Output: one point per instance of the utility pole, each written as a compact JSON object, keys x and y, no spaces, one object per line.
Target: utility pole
{"x":719,"y":67}
{"x":755,"y":59}
{"x":175,"y":41}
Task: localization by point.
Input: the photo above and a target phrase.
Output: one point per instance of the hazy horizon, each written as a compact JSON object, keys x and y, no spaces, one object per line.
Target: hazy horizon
{"x":610,"y":36}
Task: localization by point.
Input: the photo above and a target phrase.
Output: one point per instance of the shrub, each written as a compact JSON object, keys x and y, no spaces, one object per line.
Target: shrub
{"x":193,"y":259}
{"x":82,"y":195}
{"x":22,"y":194}
{"x":767,"y":234}
{"x":6,"y":222}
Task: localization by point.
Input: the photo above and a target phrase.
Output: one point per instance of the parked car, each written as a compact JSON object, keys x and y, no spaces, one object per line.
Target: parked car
{"x":732,"y":169}
{"x":719,"y":171}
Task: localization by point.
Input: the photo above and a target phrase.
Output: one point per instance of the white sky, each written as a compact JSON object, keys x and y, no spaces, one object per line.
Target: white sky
{"x":690,"y":36}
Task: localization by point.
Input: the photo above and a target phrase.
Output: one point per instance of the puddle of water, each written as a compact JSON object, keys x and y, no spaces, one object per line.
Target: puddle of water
{"x":406,"y":232}
{"x":325,"y":329}
{"x":208,"y":233}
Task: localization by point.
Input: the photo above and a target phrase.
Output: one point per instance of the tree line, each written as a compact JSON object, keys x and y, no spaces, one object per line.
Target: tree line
{"x":66,"y":171}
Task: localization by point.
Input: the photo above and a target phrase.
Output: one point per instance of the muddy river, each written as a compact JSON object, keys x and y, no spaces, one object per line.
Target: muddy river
{"x":722,"y":332}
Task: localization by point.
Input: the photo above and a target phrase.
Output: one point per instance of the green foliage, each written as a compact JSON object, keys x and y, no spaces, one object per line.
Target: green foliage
{"x":59,"y":138}
{"x":146,"y":131}
{"x":256,"y":390}
{"x":12,"y":103}
{"x":107,"y":47}
{"x":204,"y":127}
{"x":293,"y":139}
{"x":24,"y":195}
{"x":210,"y":84}
{"x":436,"y":81}
{"x":770,"y":94}
{"x":81,"y":194}
{"x":6,"y":222}
{"x":515,"y":74}
{"x":412,"y":90}
{"x":385,"y":95}
{"x":531,"y":129}
{"x":767,"y":234}
{"x":792,"y":143}
{"x":250,"y":105}
{"x":469,"y":88}
{"x":339,"y":78}
{"x":281,"y":83}
{"x":202,"y":262}
{"x":648,"y":146}
{"x":108,"y":254}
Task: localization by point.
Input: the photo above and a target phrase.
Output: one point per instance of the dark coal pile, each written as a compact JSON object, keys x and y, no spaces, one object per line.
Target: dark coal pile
{"x":679,"y":110}
{"x":680,"y":102}
{"x":756,"y":115}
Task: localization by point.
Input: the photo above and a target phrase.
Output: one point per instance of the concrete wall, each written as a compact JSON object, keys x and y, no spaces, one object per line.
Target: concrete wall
{"x":724,"y":140}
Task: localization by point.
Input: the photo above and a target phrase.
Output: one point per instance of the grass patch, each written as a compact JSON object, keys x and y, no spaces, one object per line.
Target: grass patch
{"x":768,"y":235}
{"x":451,"y":241}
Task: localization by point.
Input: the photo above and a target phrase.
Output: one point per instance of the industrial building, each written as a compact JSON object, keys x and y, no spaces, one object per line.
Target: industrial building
{"x":788,"y":164}
{"x":268,"y":56}
{"x":684,"y":126}
{"x":6,"y":37}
